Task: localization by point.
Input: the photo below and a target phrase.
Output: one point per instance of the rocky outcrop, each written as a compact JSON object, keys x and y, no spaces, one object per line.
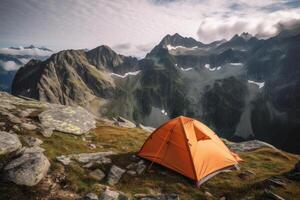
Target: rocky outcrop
{"x":9,"y":143}
{"x":74,"y":120}
{"x":28,"y":169}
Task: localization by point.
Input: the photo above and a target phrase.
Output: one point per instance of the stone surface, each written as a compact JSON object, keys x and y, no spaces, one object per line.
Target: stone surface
{"x":100,"y":157}
{"x":36,"y":149}
{"x":131,"y":172}
{"x":28,"y":169}
{"x":9,"y":143}
{"x":13,"y":119}
{"x":46,"y":131}
{"x":89,"y":159}
{"x":74,"y":120}
{"x":91,"y":196}
{"x":115,"y":175}
{"x":156,"y":197}
{"x":97,"y":175}
{"x":248,"y":145}
{"x":120,"y":121}
{"x":32,"y":141}
{"x":109,"y":195}
{"x":146,"y":128}
{"x":28,"y":126}
{"x":65,"y":160}
{"x":141,"y":167}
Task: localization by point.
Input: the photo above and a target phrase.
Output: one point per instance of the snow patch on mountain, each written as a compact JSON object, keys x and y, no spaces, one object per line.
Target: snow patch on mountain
{"x":126,"y":74}
{"x":237,"y":64}
{"x":259,"y":84}
{"x":184,"y":69}
{"x":170,"y":47}
{"x":207,"y":66}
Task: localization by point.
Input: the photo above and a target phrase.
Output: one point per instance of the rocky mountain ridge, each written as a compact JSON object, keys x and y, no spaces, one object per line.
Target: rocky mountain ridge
{"x":251,"y":83}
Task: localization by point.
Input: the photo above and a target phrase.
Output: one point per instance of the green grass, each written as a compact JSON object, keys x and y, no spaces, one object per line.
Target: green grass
{"x":264,"y":163}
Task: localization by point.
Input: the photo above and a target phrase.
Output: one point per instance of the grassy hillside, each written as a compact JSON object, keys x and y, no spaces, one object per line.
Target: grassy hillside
{"x":264,"y":163}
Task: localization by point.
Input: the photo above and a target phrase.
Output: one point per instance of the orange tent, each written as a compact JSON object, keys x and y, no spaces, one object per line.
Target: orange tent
{"x":189,"y":147}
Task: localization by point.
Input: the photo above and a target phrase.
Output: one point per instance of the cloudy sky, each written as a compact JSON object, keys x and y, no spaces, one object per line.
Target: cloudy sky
{"x":133,"y":27}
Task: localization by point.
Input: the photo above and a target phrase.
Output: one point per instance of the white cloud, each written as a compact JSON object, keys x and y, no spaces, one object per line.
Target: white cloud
{"x":25,"y":52}
{"x":9,"y":65}
{"x":65,"y":24}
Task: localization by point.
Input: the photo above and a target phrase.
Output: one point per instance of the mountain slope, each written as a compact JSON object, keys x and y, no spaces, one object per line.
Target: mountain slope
{"x":242,"y":88}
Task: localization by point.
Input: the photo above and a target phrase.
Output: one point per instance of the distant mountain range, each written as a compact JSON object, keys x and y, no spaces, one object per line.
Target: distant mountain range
{"x":12,"y":58}
{"x":243,"y":88}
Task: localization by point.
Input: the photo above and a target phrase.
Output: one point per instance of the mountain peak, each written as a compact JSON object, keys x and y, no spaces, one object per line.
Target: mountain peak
{"x":178,"y":40}
{"x":243,"y":36}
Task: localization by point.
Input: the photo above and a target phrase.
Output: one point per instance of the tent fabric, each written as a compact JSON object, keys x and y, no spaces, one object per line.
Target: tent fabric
{"x":189,"y":147}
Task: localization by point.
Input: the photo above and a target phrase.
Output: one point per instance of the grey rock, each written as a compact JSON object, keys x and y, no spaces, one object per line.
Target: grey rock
{"x":131,"y":172}
{"x":120,"y":121}
{"x":9,"y":143}
{"x":123,"y":196}
{"x":46,"y":131}
{"x":115,"y":175}
{"x":156,"y":197}
{"x":65,"y":160}
{"x":29,"y":169}
{"x":13,"y":119}
{"x":272,"y":195}
{"x":28,"y":126}
{"x":35,"y":149}
{"x":131,"y":166}
{"x":97,"y":175}
{"x":16,"y":128}
{"x":146,"y":128}
{"x":100,"y":157}
{"x":141,"y":167}
{"x":32,"y":141}
{"x":74,"y":120}
{"x":109,"y":195}
{"x":89,"y":159}
{"x":91,"y":196}
{"x":248,"y":145}
{"x":26,"y":113}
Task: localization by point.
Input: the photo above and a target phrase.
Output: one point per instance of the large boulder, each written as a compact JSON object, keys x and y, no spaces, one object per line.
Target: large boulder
{"x":74,"y":120}
{"x":9,"y":143}
{"x":28,"y":169}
